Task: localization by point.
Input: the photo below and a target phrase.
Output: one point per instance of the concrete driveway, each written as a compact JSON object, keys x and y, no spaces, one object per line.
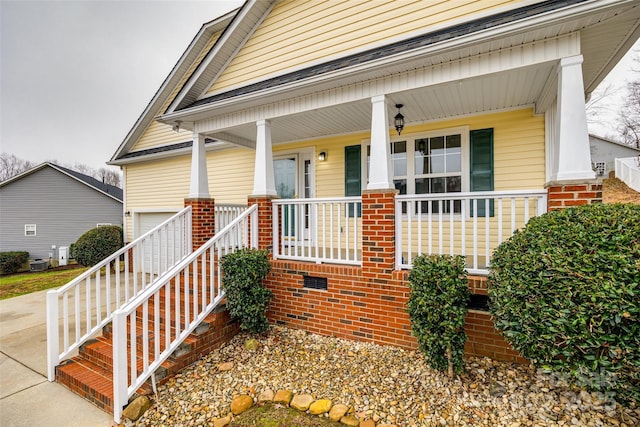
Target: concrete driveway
{"x":26,"y":397}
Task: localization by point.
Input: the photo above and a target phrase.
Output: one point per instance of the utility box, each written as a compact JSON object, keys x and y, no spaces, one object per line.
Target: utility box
{"x":63,"y":255}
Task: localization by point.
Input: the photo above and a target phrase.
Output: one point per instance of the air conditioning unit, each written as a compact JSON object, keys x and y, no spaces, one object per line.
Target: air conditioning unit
{"x":38,"y":265}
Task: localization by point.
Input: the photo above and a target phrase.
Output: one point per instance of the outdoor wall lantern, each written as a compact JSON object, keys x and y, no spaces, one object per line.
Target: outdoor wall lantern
{"x":322,"y":156}
{"x":398,"y":120}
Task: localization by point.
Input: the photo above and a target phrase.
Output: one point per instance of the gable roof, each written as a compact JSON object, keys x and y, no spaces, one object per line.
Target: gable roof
{"x":609,"y":141}
{"x":172,"y":80}
{"x":106,"y":189}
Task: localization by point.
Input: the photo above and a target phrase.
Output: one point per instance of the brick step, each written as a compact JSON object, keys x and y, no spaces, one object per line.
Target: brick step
{"x":90,"y":373}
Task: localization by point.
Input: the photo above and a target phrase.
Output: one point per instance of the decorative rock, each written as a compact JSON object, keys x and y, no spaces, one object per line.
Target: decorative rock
{"x":137,"y":408}
{"x":320,"y":407}
{"x":283,"y":396}
{"x":350,"y":420}
{"x":387,"y":425}
{"x":227,"y":366}
{"x":368,"y":423}
{"x":241,"y":404}
{"x":266,"y":396}
{"x":251,"y":344}
{"x":301,"y":402}
{"x":338,"y":411}
{"x":222,"y":422}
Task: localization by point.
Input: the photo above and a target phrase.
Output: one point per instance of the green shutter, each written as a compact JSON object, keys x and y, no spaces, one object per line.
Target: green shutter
{"x":352,"y":173}
{"x":481,"y":159}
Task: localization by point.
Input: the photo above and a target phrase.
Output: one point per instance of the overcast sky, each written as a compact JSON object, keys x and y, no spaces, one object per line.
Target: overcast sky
{"x":75,"y":75}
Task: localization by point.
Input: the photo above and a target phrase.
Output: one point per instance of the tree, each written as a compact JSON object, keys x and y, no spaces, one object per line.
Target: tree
{"x":11,"y":165}
{"x":629,"y":114}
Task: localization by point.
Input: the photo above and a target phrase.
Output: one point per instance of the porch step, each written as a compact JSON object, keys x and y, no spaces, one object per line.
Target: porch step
{"x":90,"y":373}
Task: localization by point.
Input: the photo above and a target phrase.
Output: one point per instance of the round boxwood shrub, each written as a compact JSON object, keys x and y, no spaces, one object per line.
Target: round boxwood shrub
{"x":439,"y":293}
{"x":565,"y":292}
{"x":97,"y":244}
{"x":247,"y":298}
{"x":12,"y":261}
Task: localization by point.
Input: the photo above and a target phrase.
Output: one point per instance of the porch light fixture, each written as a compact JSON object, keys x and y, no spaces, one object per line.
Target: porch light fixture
{"x":398,"y":120}
{"x":176,"y":127}
{"x":322,"y":156}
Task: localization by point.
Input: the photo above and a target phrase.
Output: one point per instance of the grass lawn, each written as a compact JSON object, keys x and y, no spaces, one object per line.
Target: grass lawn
{"x":25,"y":283}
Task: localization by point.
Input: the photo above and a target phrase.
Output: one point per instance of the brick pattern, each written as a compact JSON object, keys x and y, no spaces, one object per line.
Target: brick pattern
{"x":358,"y":307}
{"x":265,"y":220}
{"x":378,"y":232}
{"x":568,"y":195}
{"x":203,"y":220}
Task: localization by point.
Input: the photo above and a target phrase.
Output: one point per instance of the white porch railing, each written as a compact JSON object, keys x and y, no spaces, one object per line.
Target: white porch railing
{"x":82,"y":307}
{"x":318,"y":230}
{"x":226,"y":212}
{"x":469,"y":224}
{"x":153,"y":325}
{"x":628,"y":171}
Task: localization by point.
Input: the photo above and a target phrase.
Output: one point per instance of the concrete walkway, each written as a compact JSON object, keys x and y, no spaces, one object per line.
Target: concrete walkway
{"x":26,"y":397}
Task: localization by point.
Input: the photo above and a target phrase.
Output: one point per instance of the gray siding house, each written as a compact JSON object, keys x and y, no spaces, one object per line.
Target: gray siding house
{"x":51,"y":206}
{"x":604,"y":152}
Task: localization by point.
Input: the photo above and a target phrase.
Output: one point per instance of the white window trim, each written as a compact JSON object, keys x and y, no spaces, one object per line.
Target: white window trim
{"x":28,"y":228}
{"x":463,"y":131}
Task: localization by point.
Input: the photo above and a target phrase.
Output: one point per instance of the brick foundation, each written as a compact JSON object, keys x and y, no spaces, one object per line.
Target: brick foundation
{"x":359,"y":307}
{"x":365,"y":303}
{"x":203,"y":220}
{"x":265,"y":220}
{"x":564,"y":195}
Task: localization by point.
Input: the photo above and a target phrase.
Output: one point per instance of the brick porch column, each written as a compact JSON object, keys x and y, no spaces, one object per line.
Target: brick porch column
{"x":203,"y":219}
{"x":568,"y":194}
{"x":378,"y":232}
{"x":265,"y":220}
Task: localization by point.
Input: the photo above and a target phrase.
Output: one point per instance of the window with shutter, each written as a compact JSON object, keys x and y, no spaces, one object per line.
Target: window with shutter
{"x":352,"y":174}
{"x":481,"y":166}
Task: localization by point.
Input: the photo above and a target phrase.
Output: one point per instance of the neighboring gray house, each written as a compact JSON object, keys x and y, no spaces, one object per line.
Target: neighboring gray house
{"x":51,"y":206}
{"x":604,"y":152}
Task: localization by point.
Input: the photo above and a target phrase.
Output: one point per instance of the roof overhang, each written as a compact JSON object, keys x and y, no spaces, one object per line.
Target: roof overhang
{"x":605,"y":30}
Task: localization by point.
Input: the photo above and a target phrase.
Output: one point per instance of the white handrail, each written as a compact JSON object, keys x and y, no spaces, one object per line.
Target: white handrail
{"x":318,"y":230}
{"x":169,"y":310}
{"x":472,"y":224}
{"x":95,"y":294}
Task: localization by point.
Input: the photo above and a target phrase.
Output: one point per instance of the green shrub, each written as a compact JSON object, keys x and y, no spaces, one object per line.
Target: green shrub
{"x":438,"y":299}
{"x":97,"y":244}
{"x":10,"y":262}
{"x":565,"y":291}
{"x":247,"y":298}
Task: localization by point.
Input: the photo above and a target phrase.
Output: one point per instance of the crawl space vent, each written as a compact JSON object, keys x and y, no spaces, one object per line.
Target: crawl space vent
{"x":312,"y":282}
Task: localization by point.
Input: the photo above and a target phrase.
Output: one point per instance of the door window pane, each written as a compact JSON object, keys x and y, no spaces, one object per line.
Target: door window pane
{"x":285,"y":177}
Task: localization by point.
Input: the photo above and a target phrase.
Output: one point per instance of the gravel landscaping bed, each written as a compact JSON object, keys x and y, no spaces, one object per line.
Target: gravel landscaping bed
{"x":382,"y":383}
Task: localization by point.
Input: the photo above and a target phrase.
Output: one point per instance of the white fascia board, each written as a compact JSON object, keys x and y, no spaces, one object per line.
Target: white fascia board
{"x":215,"y":146}
{"x":184,"y":62}
{"x":526,"y":25}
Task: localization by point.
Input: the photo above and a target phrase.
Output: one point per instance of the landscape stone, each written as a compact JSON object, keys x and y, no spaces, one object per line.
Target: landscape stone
{"x":241,"y":404}
{"x":251,"y":344}
{"x":283,"y":396}
{"x":368,"y":423}
{"x":222,"y":422}
{"x":301,"y":402}
{"x":338,"y":411}
{"x":137,"y":408}
{"x":350,"y":420}
{"x":320,"y":406}
{"x":226,"y":366}
{"x":266,"y":396}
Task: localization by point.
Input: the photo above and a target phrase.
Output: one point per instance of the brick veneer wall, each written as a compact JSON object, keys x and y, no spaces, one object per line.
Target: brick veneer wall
{"x":566,"y":195}
{"x":265,"y":220}
{"x":368,"y":303}
{"x":203,"y":220}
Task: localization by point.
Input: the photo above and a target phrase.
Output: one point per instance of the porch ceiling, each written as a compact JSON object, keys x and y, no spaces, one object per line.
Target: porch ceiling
{"x":517,"y":88}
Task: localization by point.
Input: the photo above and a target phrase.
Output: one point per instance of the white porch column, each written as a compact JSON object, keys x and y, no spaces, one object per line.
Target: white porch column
{"x":380,"y":176}
{"x":572,"y":156}
{"x":199,"y":187}
{"x":263,"y":178}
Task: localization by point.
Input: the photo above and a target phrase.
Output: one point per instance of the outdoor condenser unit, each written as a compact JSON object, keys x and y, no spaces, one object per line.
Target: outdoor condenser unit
{"x":38,"y":265}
